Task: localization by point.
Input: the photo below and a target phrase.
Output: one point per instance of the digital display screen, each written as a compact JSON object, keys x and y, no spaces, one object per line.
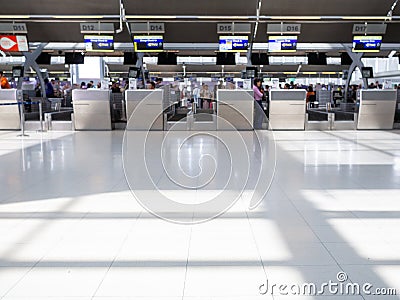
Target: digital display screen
{"x":282,"y":44}
{"x":99,"y":43}
{"x":233,"y":43}
{"x":367,"y":43}
{"x":149,"y":43}
{"x":367,"y":72}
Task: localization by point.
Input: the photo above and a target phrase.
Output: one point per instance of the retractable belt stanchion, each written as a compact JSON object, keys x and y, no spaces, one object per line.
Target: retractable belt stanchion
{"x":41,"y":116}
{"x":22,"y":116}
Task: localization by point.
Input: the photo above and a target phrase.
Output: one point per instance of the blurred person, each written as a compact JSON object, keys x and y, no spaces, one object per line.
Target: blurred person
{"x":49,"y":88}
{"x":152,"y":85}
{"x":159,"y":83}
{"x":83,"y":85}
{"x":311,"y":97}
{"x":258,"y":95}
{"x":4,"y":81}
{"x":115,"y":88}
{"x":206,"y":95}
{"x":196,"y":95}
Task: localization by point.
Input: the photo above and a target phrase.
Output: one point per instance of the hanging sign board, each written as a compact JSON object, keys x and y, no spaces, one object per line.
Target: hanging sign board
{"x":284,"y":28}
{"x":147,"y":27}
{"x":13,"y":43}
{"x":241,"y":28}
{"x":98,"y":28}
{"x":369,"y":28}
{"x":13,"y":28}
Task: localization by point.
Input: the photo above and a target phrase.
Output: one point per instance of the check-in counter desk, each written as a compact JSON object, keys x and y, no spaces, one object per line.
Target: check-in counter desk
{"x":235,"y":110}
{"x":92,"y":109}
{"x":377,"y":109}
{"x":287,"y":109}
{"x":9,"y":114}
{"x":144,"y":109}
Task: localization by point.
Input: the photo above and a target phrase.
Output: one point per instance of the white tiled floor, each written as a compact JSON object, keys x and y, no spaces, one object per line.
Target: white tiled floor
{"x":70,"y":228}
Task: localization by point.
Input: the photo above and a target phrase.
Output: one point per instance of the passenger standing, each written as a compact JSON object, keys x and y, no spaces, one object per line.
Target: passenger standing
{"x":4,"y":81}
{"x":49,"y":88}
{"x":196,"y":95}
{"x":258,"y":108}
{"x":159,"y":83}
{"x":115,"y":88}
{"x":311,"y":96}
{"x":207,"y":97}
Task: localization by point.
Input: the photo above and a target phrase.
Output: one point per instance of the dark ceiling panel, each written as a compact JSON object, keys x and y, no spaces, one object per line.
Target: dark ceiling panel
{"x":326,"y":7}
{"x":133,"y":7}
{"x":69,"y":7}
{"x":203,"y":7}
{"x":185,"y":7}
{"x":326,"y":33}
{"x":191,"y":33}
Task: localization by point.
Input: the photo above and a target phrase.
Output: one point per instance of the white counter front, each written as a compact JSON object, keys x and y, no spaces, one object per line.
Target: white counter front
{"x":377,"y":109}
{"x":287,"y":109}
{"x":92,"y":110}
{"x":235,"y":109}
{"x":9,"y":114}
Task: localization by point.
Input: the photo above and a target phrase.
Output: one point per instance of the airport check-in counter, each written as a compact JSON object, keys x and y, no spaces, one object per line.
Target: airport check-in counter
{"x":145,"y":109}
{"x":287,"y":109}
{"x":92,"y":109}
{"x":9,"y":114}
{"x":235,"y":107}
{"x":377,"y":109}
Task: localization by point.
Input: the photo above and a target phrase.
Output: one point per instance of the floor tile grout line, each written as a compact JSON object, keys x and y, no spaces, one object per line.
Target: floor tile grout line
{"x":134,"y":225}
{"x":316,"y":235}
{"x":187,"y":257}
{"x":35,"y":264}
{"x":264,"y":268}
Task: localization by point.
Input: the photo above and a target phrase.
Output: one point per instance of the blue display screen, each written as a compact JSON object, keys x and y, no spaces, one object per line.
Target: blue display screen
{"x":282,"y":44}
{"x":233,"y":43}
{"x":149,"y":43}
{"x":99,"y":43}
{"x":367,"y":43}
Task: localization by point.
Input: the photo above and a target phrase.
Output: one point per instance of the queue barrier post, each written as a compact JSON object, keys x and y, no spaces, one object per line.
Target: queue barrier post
{"x":22,"y":119}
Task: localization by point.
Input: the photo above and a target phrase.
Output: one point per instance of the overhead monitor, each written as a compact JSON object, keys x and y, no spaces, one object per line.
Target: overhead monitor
{"x":224,"y":58}
{"x":149,"y":43}
{"x":74,"y":58}
{"x":251,"y":72}
{"x":259,"y":59}
{"x":18,"y":72}
{"x":44,"y":58}
{"x":167,"y":58}
{"x":233,"y":43}
{"x":99,"y":43}
{"x":130,"y":58}
{"x":14,"y":43}
{"x":345,"y":59}
{"x":282,"y":43}
{"x":365,"y":43}
{"x":134,"y":72}
{"x":318,"y":59}
{"x":367,"y":72}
